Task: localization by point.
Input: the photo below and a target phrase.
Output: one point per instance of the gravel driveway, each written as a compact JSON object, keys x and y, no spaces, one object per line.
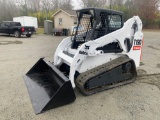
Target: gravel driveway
{"x":137,"y":101}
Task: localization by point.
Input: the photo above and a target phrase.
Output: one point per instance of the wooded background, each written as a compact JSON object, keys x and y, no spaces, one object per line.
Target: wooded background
{"x":148,"y":10}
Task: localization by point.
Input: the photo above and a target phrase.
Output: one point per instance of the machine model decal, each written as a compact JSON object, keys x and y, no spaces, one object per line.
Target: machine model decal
{"x":137,"y":44}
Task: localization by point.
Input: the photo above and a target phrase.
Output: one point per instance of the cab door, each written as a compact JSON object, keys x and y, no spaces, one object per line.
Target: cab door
{"x":0,"y":27}
{"x":4,"y":27}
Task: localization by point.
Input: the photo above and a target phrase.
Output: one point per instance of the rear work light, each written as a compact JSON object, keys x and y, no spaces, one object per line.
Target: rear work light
{"x":22,"y":29}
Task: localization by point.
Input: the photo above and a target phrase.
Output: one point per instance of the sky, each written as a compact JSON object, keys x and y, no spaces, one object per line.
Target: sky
{"x":76,"y":4}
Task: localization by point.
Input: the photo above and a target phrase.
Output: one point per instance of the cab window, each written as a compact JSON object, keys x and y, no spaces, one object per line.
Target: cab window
{"x":3,"y":25}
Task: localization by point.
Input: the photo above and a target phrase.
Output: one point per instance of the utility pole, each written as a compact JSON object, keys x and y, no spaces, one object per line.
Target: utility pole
{"x":110,"y":4}
{"x":46,"y":14}
{"x":26,"y":11}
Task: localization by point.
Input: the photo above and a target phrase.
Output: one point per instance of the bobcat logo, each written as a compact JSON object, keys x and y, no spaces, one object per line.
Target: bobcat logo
{"x":87,"y":47}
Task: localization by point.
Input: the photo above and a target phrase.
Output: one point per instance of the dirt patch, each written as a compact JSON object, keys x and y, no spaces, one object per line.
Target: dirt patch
{"x":153,"y":47}
{"x":10,"y":42}
{"x":141,"y":72}
{"x":152,"y":80}
{"x":141,"y":63}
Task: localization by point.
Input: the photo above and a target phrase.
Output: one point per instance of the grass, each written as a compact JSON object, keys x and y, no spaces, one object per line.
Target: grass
{"x":40,"y":31}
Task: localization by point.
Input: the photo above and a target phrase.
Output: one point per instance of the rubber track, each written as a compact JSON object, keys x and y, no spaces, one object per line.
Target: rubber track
{"x":88,"y":75}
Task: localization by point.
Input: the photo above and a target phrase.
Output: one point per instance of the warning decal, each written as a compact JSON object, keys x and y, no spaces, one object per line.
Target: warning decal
{"x":136,"y":47}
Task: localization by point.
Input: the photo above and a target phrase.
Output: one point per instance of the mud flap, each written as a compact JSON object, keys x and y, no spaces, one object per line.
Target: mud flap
{"x":47,"y":87}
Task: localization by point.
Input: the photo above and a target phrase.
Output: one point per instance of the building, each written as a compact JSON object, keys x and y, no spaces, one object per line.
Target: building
{"x":65,"y":19}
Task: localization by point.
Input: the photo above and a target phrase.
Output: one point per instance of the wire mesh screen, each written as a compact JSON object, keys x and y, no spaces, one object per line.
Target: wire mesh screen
{"x":101,"y":27}
{"x":90,"y":29}
{"x":106,"y":24}
{"x":84,"y":30}
{"x":114,"y":22}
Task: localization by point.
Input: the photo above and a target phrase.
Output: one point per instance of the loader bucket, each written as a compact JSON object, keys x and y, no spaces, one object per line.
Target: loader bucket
{"x":47,"y":87}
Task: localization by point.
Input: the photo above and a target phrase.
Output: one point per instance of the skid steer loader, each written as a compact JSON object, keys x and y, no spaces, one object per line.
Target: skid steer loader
{"x":103,"y":53}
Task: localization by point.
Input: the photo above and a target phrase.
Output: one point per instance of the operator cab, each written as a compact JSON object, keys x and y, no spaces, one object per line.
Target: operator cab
{"x":94,"y":23}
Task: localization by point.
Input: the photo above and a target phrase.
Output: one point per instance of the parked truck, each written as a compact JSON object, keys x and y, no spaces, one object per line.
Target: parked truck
{"x":15,"y":28}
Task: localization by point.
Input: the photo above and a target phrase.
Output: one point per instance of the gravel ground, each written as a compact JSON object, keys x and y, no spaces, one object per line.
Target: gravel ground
{"x":137,"y":101}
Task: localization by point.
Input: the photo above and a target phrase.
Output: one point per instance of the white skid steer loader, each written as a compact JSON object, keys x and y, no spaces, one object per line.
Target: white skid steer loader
{"x":103,"y":53}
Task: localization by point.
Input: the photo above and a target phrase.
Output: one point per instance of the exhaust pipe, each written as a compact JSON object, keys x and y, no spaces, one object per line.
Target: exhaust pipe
{"x":48,"y":87}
